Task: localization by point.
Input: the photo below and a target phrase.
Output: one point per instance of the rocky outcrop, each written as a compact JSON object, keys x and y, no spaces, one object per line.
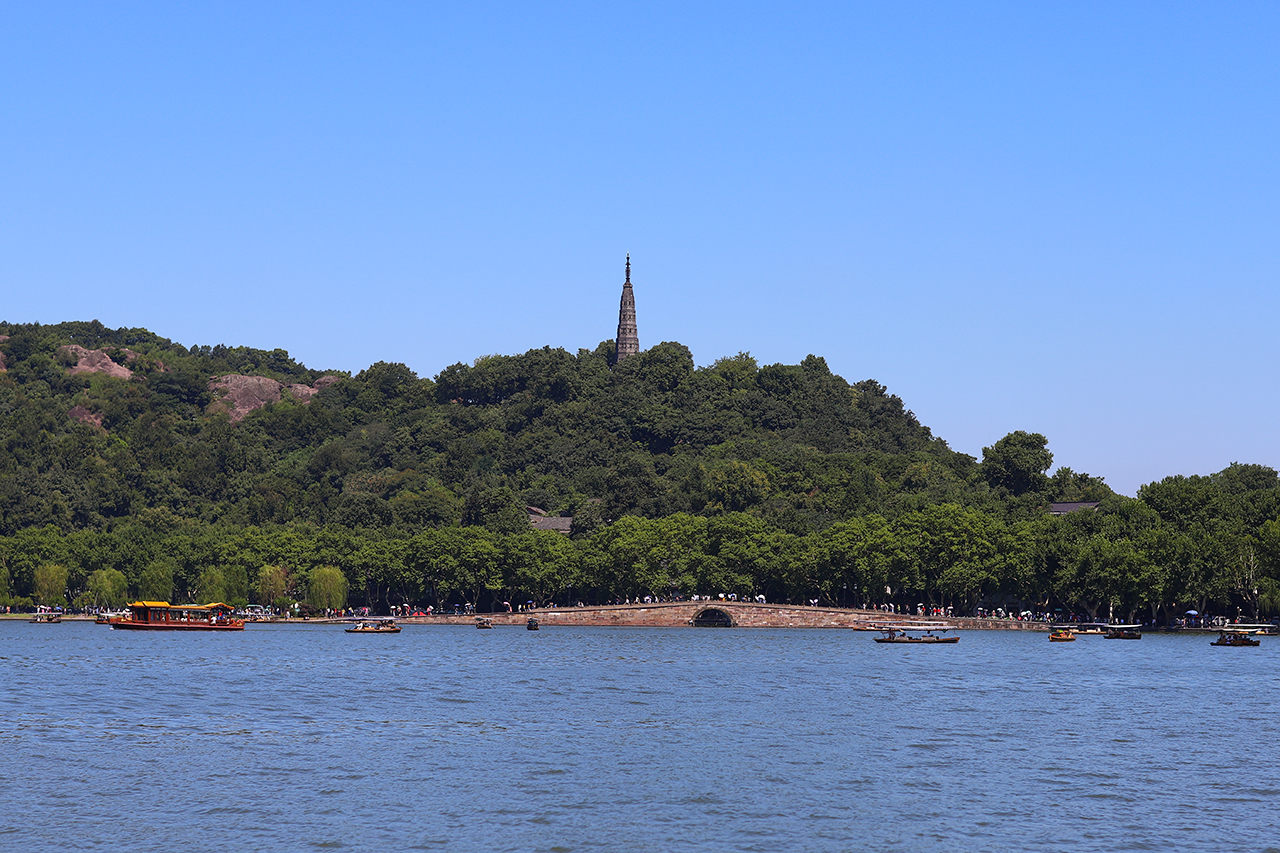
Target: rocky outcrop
{"x":84,"y":416}
{"x":239,"y":395}
{"x":97,"y":361}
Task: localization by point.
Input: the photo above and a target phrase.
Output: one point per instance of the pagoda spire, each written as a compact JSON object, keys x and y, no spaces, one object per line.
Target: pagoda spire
{"x":627,"y":342}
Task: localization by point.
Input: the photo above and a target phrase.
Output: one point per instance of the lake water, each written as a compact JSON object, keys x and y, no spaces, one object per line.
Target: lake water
{"x":578,"y":739}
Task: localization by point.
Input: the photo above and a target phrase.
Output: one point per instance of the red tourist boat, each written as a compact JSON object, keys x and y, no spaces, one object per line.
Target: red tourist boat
{"x":163,"y":616}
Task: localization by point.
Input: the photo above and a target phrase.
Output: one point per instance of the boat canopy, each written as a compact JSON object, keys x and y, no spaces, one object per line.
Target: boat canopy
{"x":164,"y":605}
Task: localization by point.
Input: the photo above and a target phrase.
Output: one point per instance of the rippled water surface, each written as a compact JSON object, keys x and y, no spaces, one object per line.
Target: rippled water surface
{"x":301,"y":737}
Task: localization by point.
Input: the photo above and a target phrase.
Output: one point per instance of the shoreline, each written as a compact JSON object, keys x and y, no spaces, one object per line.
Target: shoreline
{"x":679,"y":614}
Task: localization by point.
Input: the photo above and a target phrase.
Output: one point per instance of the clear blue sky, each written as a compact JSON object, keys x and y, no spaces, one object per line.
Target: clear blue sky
{"x":1057,"y":217}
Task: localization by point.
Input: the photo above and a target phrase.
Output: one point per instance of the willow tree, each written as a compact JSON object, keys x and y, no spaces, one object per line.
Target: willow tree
{"x":327,"y":588}
{"x":51,"y":583}
{"x":108,"y":588}
{"x":272,"y":583}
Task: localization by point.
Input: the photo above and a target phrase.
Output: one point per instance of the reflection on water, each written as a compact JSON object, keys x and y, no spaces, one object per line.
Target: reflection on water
{"x":297,"y":737}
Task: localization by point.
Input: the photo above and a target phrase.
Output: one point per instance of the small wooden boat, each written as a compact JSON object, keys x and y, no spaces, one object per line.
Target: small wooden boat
{"x":1235,"y":638}
{"x":45,"y":618}
{"x":1062,"y":636}
{"x":369,"y":626}
{"x":531,"y":625}
{"x":484,"y":622}
{"x":1123,"y":632}
{"x":899,"y":634}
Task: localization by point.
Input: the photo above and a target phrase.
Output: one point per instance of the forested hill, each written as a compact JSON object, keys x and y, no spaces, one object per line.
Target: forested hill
{"x":564,"y":432}
{"x":134,"y":466}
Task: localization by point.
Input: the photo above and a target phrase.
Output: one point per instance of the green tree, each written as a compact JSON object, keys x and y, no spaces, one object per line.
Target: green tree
{"x":327,"y":588}
{"x":51,"y":583}
{"x":858,"y":556}
{"x":211,"y":587}
{"x":156,"y":582}
{"x":1017,"y":462}
{"x":736,"y":486}
{"x":540,"y":565}
{"x":958,"y":553}
{"x":273,"y":582}
{"x":497,"y":510}
{"x":109,"y":588}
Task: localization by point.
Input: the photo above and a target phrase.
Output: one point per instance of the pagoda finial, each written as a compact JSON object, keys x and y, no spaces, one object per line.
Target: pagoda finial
{"x":628,"y":267}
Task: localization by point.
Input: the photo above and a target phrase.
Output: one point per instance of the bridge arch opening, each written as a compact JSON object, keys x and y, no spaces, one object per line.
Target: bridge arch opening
{"x":712,"y":617}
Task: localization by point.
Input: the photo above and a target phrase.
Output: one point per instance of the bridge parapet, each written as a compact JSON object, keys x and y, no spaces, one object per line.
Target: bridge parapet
{"x":680,"y":614}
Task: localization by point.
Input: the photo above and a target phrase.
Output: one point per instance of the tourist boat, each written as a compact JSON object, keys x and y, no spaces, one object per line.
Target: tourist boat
{"x":1123,"y":632}
{"x":163,"y":616}
{"x":1262,"y":628}
{"x":1061,"y":635}
{"x":484,"y":622}
{"x":1235,"y":638}
{"x":370,"y":626}
{"x":531,"y":625}
{"x":899,"y":634}
{"x":46,"y":618}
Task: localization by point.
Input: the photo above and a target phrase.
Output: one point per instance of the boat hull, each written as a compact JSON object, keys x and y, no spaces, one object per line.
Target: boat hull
{"x":1240,"y":640}
{"x":127,"y":625}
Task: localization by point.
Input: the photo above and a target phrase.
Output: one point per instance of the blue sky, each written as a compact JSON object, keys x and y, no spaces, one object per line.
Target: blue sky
{"x":1057,"y":217}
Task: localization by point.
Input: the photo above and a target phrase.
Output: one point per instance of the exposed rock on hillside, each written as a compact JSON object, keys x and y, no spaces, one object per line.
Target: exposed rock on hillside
{"x":84,"y":416}
{"x":97,"y":361}
{"x":240,"y":395}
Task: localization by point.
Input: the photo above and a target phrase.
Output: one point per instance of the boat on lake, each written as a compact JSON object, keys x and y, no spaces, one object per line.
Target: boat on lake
{"x":532,"y":624}
{"x":1262,"y":628}
{"x":375,"y":626}
{"x":45,"y":618}
{"x":1123,"y":632}
{"x":1235,"y":638}
{"x":1062,"y":635}
{"x":1085,"y":629}
{"x":484,"y":622}
{"x":910,"y":633}
{"x":163,"y":616}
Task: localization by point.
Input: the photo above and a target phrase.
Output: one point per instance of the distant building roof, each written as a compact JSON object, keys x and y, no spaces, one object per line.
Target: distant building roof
{"x":560,"y":524}
{"x":1064,"y":507}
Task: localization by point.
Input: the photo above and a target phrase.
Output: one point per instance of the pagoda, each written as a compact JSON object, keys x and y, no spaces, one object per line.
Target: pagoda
{"x":628,"y":342}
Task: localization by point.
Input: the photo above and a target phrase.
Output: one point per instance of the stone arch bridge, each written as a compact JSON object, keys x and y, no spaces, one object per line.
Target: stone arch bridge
{"x":680,"y":614}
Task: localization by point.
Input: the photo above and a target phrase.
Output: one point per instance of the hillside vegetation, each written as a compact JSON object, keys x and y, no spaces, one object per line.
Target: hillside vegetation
{"x":167,"y":480}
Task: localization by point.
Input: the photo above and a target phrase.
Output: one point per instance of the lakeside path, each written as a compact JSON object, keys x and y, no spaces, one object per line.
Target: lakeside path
{"x":675,"y":614}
